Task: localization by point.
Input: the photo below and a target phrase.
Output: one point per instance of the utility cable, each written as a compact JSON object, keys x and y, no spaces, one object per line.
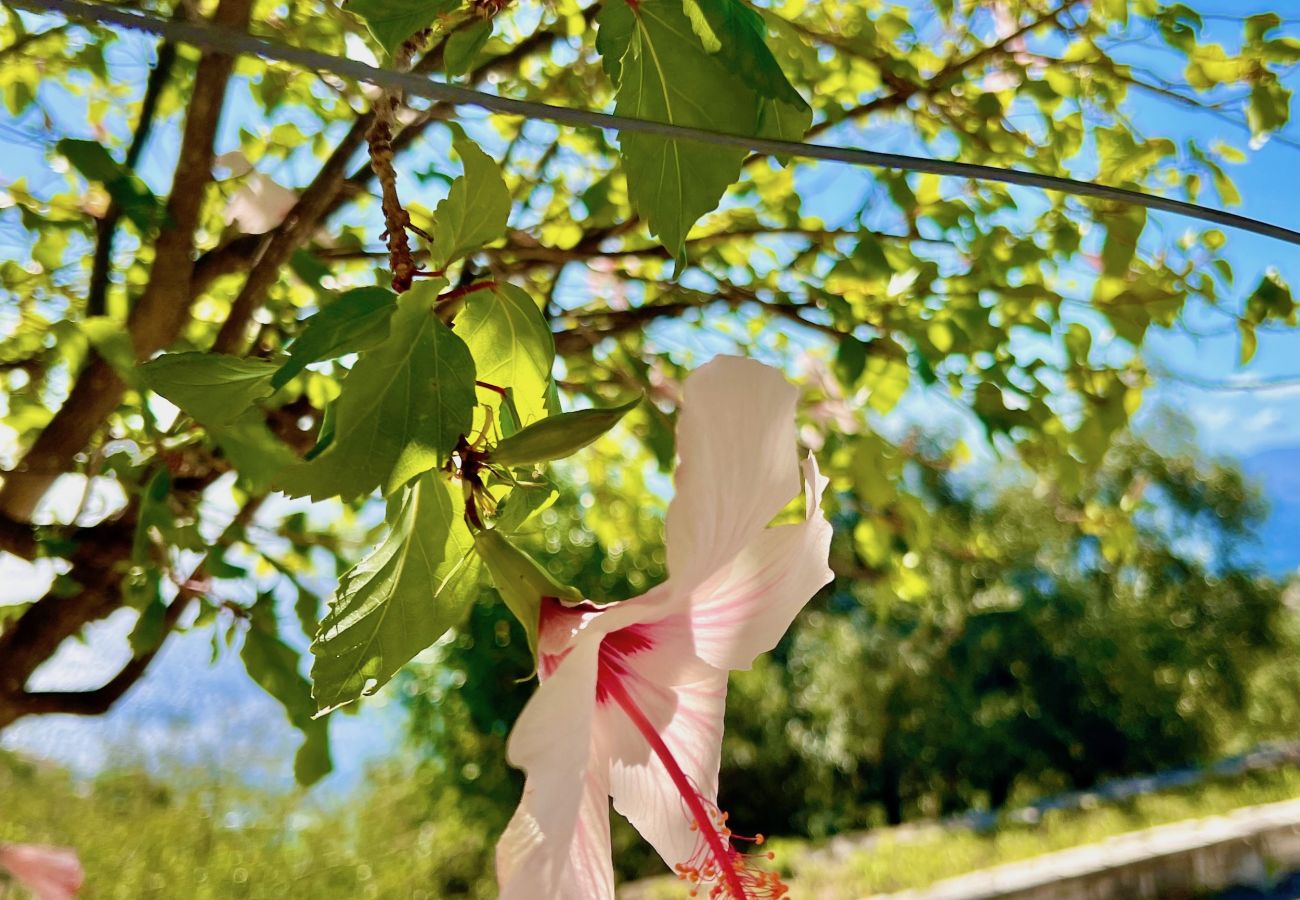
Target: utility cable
{"x":218,"y":39}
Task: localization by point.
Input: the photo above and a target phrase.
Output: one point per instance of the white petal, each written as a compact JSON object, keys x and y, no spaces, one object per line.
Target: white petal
{"x":527,"y":869}
{"x":554,"y":841}
{"x":591,"y":859}
{"x":746,"y":606}
{"x":259,"y":205}
{"x":688,"y":717}
{"x":737,"y":463}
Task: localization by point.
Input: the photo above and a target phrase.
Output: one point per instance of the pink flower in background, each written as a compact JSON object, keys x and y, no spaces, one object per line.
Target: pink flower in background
{"x":1005,"y":24}
{"x":829,"y":410}
{"x":258,"y":204}
{"x":662,"y":384}
{"x":632,"y":694}
{"x":51,"y":873}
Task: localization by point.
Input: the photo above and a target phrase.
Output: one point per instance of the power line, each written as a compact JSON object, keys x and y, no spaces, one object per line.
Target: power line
{"x":223,"y":40}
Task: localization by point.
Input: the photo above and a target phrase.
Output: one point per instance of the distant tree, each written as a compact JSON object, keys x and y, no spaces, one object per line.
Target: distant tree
{"x":1056,"y":636}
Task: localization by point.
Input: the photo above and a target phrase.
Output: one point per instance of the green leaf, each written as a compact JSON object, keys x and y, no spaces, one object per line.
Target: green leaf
{"x":1270,"y":105}
{"x":1249,"y":341}
{"x":522,"y":503}
{"x":886,"y":380}
{"x":402,"y":408}
{"x":257,"y":454}
{"x":850,"y":360}
{"x":740,"y":37}
{"x":1122,"y":233}
{"x":213,"y":388}
{"x":273,"y":665}
{"x":512,"y":345}
{"x":520,"y":580}
{"x":393,"y":21}
{"x":399,"y":599}
{"x":356,"y":321}
{"x":131,"y":195}
{"x":475,"y":211}
{"x":10,"y":612}
{"x":664,"y":74}
{"x":463,"y":46}
{"x":325,"y":436}
{"x":112,"y":342}
{"x":559,"y":436}
{"x":1271,"y":300}
{"x":153,"y":513}
{"x":147,"y":634}
{"x":1258,"y":26}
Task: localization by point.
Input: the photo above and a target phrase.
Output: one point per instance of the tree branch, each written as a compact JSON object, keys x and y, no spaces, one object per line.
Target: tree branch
{"x":330,"y":189}
{"x":595,"y":325}
{"x":15,"y":702}
{"x":98,"y":700}
{"x":163,"y":307}
{"x":106,"y":228}
{"x":38,"y":632}
{"x":945,"y":76}
{"x":22,"y":42}
{"x":17,"y":538}
{"x":902,"y":93}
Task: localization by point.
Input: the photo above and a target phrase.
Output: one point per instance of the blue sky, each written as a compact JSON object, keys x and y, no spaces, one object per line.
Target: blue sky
{"x":215,"y":703}
{"x":1239,"y":422}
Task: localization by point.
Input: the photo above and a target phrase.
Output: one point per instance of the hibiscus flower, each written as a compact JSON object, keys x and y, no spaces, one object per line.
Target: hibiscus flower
{"x":632,"y":694}
{"x":51,"y":873}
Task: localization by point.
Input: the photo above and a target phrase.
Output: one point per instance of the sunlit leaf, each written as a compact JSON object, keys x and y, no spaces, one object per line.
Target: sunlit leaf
{"x":475,"y":211}
{"x":664,"y":74}
{"x":511,"y":344}
{"x":738,"y":35}
{"x":356,"y":321}
{"x":399,"y":599}
{"x":520,"y":580}
{"x":132,"y":195}
{"x":559,"y":436}
{"x":403,"y":407}
{"x":214,"y":388}
{"x":464,"y":45}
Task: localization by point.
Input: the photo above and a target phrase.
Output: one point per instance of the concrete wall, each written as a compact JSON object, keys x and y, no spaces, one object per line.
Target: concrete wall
{"x":1184,"y":860}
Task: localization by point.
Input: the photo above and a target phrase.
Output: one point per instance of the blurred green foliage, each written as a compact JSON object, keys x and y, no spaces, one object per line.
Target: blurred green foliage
{"x":197,"y":834}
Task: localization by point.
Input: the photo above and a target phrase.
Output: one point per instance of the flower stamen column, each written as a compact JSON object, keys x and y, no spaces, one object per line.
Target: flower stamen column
{"x":720,"y":846}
